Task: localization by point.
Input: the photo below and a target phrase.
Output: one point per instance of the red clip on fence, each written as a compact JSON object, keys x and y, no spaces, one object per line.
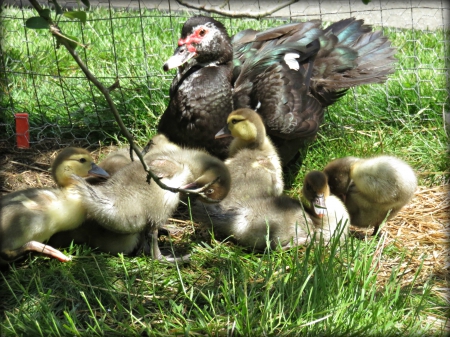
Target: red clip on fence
{"x":22,"y":130}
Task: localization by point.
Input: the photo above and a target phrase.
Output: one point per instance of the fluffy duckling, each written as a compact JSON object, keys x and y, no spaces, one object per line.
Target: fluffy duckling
{"x":90,"y":232}
{"x":279,"y":220}
{"x":30,"y":217}
{"x":255,"y":223}
{"x":116,"y":160}
{"x":371,"y":188}
{"x":113,"y":162}
{"x":253,"y":160}
{"x":94,"y":235}
{"x":127,"y":204}
{"x":327,"y":211}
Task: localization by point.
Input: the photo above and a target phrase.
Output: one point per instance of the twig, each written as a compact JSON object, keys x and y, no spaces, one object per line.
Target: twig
{"x":29,"y":166}
{"x":56,"y":32}
{"x":186,"y":222}
{"x":234,"y":14}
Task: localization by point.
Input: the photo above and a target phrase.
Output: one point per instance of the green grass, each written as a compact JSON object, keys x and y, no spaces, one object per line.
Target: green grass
{"x":225,"y":290}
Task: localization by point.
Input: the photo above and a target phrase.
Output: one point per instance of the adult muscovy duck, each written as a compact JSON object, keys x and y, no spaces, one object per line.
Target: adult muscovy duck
{"x":289,"y":74}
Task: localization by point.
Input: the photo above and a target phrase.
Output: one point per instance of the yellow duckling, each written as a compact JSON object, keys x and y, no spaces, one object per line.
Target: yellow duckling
{"x":126,"y":204}
{"x":30,"y":217}
{"x":371,"y":188}
{"x":253,"y":161}
{"x":327,"y":211}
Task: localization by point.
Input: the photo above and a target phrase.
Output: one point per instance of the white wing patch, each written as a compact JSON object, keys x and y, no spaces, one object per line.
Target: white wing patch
{"x":290,"y":59}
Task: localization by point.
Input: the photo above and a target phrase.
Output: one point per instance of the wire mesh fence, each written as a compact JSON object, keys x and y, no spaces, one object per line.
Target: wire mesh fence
{"x":129,"y":41}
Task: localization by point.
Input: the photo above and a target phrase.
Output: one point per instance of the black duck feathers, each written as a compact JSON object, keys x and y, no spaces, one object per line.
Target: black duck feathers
{"x":289,"y":74}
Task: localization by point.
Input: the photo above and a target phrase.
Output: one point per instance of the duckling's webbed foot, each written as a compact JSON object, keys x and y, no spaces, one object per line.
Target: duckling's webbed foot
{"x":156,"y":252}
{"x":11,"y":255}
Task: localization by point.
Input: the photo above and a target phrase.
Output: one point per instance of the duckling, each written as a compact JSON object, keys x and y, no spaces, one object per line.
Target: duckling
{"x":116,"y":160}
{"x":255,"y":205}
{"x":374,"y":189}
{"x":30,"y":217}
{"x":160,"y":142}
{"x":94,"y":235}
{"x":126,"y":204}
{"x":91,"y":232}
{"x":279,"y":220}
{"x":113,"y":162}
{"x":253,"y":159}
{"x":338,"y":174}
{"x":256,"y":223}
{"x":327,"y":211}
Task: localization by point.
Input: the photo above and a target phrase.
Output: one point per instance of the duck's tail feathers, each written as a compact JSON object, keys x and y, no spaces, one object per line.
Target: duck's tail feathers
{"x":350,"y":55}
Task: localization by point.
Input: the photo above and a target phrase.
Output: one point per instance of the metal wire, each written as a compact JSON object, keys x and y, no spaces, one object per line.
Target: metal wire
{"x":87,"y":120}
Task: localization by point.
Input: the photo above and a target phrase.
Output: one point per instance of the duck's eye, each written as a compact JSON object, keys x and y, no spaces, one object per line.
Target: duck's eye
{"x":210,"y":191}
{"x":234,"y":121}
{"x":82,"y":160}
{"x":202,"y":32}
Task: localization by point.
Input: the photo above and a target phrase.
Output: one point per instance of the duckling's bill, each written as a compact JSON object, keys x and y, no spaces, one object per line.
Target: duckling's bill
{"x":97,"y":171}
{"x":225,"y":132}
{"x":319,"y":205}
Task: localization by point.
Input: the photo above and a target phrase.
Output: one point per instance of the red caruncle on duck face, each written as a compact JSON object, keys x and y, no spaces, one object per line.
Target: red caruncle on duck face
{"x":195,"y":38}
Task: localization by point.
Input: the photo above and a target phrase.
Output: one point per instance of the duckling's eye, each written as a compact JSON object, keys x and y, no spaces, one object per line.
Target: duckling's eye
{"x":210,"y":191}
{"x":82,"y":160}
{"x":202,"y":32}
{"x":234,"y":121}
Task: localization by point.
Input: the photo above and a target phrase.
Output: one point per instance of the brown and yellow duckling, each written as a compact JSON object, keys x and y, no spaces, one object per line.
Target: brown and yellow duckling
{"x":30,"y":217}
{"x":373,"y":189}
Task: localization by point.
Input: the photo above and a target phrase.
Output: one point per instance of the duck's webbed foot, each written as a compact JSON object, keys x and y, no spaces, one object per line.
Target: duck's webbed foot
{"x":156,"y":252}
{"x":11,"y":255}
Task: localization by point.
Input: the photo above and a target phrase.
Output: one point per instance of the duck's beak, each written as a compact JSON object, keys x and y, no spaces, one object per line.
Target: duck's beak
{"x":179,"y":57}
{"x":319,"y":205}
{"x":97,"y":171}
{"x":225,"y":132}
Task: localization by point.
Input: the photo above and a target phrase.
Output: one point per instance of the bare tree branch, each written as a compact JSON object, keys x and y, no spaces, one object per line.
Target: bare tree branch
{"x":234,"y":14}
{"x":56,"y":32}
